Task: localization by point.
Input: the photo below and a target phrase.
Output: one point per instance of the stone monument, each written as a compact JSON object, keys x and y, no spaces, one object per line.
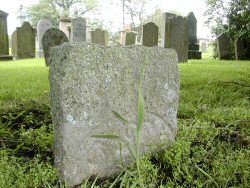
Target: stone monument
{"x":78,"y":30}
{"x":193,"y":46}
{"x":99,"y":36}
{"x":87,"y":83}
{"x":150,"y":35}
{"x":4,"y":41}
{"x":175,"y":35}
{"x":23,"y":42}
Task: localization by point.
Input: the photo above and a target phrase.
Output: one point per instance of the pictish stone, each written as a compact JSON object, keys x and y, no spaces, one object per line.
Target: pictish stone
{"x":42,"y":27}
{"x":87,"y":83}
{"x":23,"y":42}
{"x":130,"y":38}
{"x":176,"y":35}
{"x":99,"y":36}
{"x":52,"y":37}
{"x":150,"y":35}
{"x":78,"y":30}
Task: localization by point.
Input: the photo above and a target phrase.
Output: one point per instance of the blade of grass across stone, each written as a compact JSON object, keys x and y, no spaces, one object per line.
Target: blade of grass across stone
{"x":107,"y":136}
{"x":121,"y":118}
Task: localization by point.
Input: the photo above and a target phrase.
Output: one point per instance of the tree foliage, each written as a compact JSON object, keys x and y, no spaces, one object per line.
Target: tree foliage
{"x":54,"y":9}
{"x":232,"y":16}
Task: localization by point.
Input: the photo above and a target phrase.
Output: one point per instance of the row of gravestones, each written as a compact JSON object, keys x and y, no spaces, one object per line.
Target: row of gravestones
{"x":224,"y":48}
{"x":179,"y":33}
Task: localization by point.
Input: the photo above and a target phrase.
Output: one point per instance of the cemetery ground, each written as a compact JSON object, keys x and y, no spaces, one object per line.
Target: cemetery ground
{"x":212,"y":147}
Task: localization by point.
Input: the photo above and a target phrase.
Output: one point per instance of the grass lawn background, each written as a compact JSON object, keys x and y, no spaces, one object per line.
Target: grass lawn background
{"x":212,"y":148}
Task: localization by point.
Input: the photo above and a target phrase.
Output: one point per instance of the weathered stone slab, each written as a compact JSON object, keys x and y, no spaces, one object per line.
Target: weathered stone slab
{"x":42,"y":27}
{"x":176,"y":36}
{"x":130,"y":38}
{"x":23,"y":42}
{"x":78,"y":30}
{"x":150,"y":35}
{"x":88,"y":82}
{"x":4,"y":42}
{"x":52,"y":37}
{"x":224,"y":47}
{"x":99,"y":36}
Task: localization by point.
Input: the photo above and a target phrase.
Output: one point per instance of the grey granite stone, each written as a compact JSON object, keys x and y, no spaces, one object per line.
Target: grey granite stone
{"x":87,"y":83}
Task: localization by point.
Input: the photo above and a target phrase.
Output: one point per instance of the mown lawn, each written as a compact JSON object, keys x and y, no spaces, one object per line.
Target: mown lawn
{"x":212,"y":148}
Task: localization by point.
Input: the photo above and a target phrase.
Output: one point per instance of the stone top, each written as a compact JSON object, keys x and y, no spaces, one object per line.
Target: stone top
{"x":2,"y":13}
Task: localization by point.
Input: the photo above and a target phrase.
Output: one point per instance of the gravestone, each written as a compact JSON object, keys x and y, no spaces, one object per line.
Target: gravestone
{"x":176,"y":36}
{"x":150,"y":35}
{"x":203,"y":47}
{"x":193,"y":46}
{"x":87,"y":83}
{"x":42,"y":27}
{"x":4,"y":41}
{"x":23,"y":42}
{"x":78,"y":30}
{"x":166,"y":16}
{"x":64,"y":26}
{"x":52,"y":37}
{"x":224,"y":47}
{"x":99,"y":36}
{"x":242,"y":49}
{"x":130,"y":38}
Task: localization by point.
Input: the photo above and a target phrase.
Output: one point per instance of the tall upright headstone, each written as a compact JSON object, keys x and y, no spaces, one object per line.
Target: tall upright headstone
{"x":87,"y":83}
{"x":78,"y":30}
{"x":4,"y":41}
{"x":150,"y":35}
{"x":130,"y":38}
{"x":193,"y":46}
{"x":23,"y":42}
{"x":42,"y":27}
{"x":99,"y":36}
{"x":21,"y":16}
{"x":176,"y":35}
{"x":224,"y":46}
{"x":64,"y":26}
{"x":166,"y":16}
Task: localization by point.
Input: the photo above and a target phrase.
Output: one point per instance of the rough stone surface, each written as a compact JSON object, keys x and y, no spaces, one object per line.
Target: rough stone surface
{"x":23,"y":42}
{"x":42,"y":27}
{"x":99,"y":36}
{"x":78,"y":30}
{"x":4,"y":42}
{"x":52,"y":37}
{"x":88,"y":82}
{"x":150,"y":35}
{"x":176,"y":36}
{"x":130,"y":38}
{"x":224,"y":47}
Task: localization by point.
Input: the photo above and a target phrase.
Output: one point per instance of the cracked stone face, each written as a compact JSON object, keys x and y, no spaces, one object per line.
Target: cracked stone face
{"x":87,"y":83}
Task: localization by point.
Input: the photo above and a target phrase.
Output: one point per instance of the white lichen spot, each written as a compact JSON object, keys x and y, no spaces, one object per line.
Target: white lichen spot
{"x":166,"y":86}
{"x":172,"y":112}
{"x":108,"y":78}
{"x":71,"y":119}
{"x":85,"y":115}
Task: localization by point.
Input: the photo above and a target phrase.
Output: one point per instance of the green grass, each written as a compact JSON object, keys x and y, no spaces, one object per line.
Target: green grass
{"x":212,"y":148}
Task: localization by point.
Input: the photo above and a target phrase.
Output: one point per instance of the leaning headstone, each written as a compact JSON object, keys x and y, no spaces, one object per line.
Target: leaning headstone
{"x":51,"y":38}
{"x":99,"y":36}
{"x":42,"y":27}
{"x":150,"y":35}
{"x":224,"y":46}
{"x":23,"y":42}
{"x":193,"y":46}
{"x":87,"y":83}
{"x":78,"y":30}
{"x":4,"y":41}
{"x":176,"y":36}
{"x":130,"y":38}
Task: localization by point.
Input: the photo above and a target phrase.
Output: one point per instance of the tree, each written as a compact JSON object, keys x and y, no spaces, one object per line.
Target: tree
{"x":54,"y":9}
{"x":231,"y":16}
